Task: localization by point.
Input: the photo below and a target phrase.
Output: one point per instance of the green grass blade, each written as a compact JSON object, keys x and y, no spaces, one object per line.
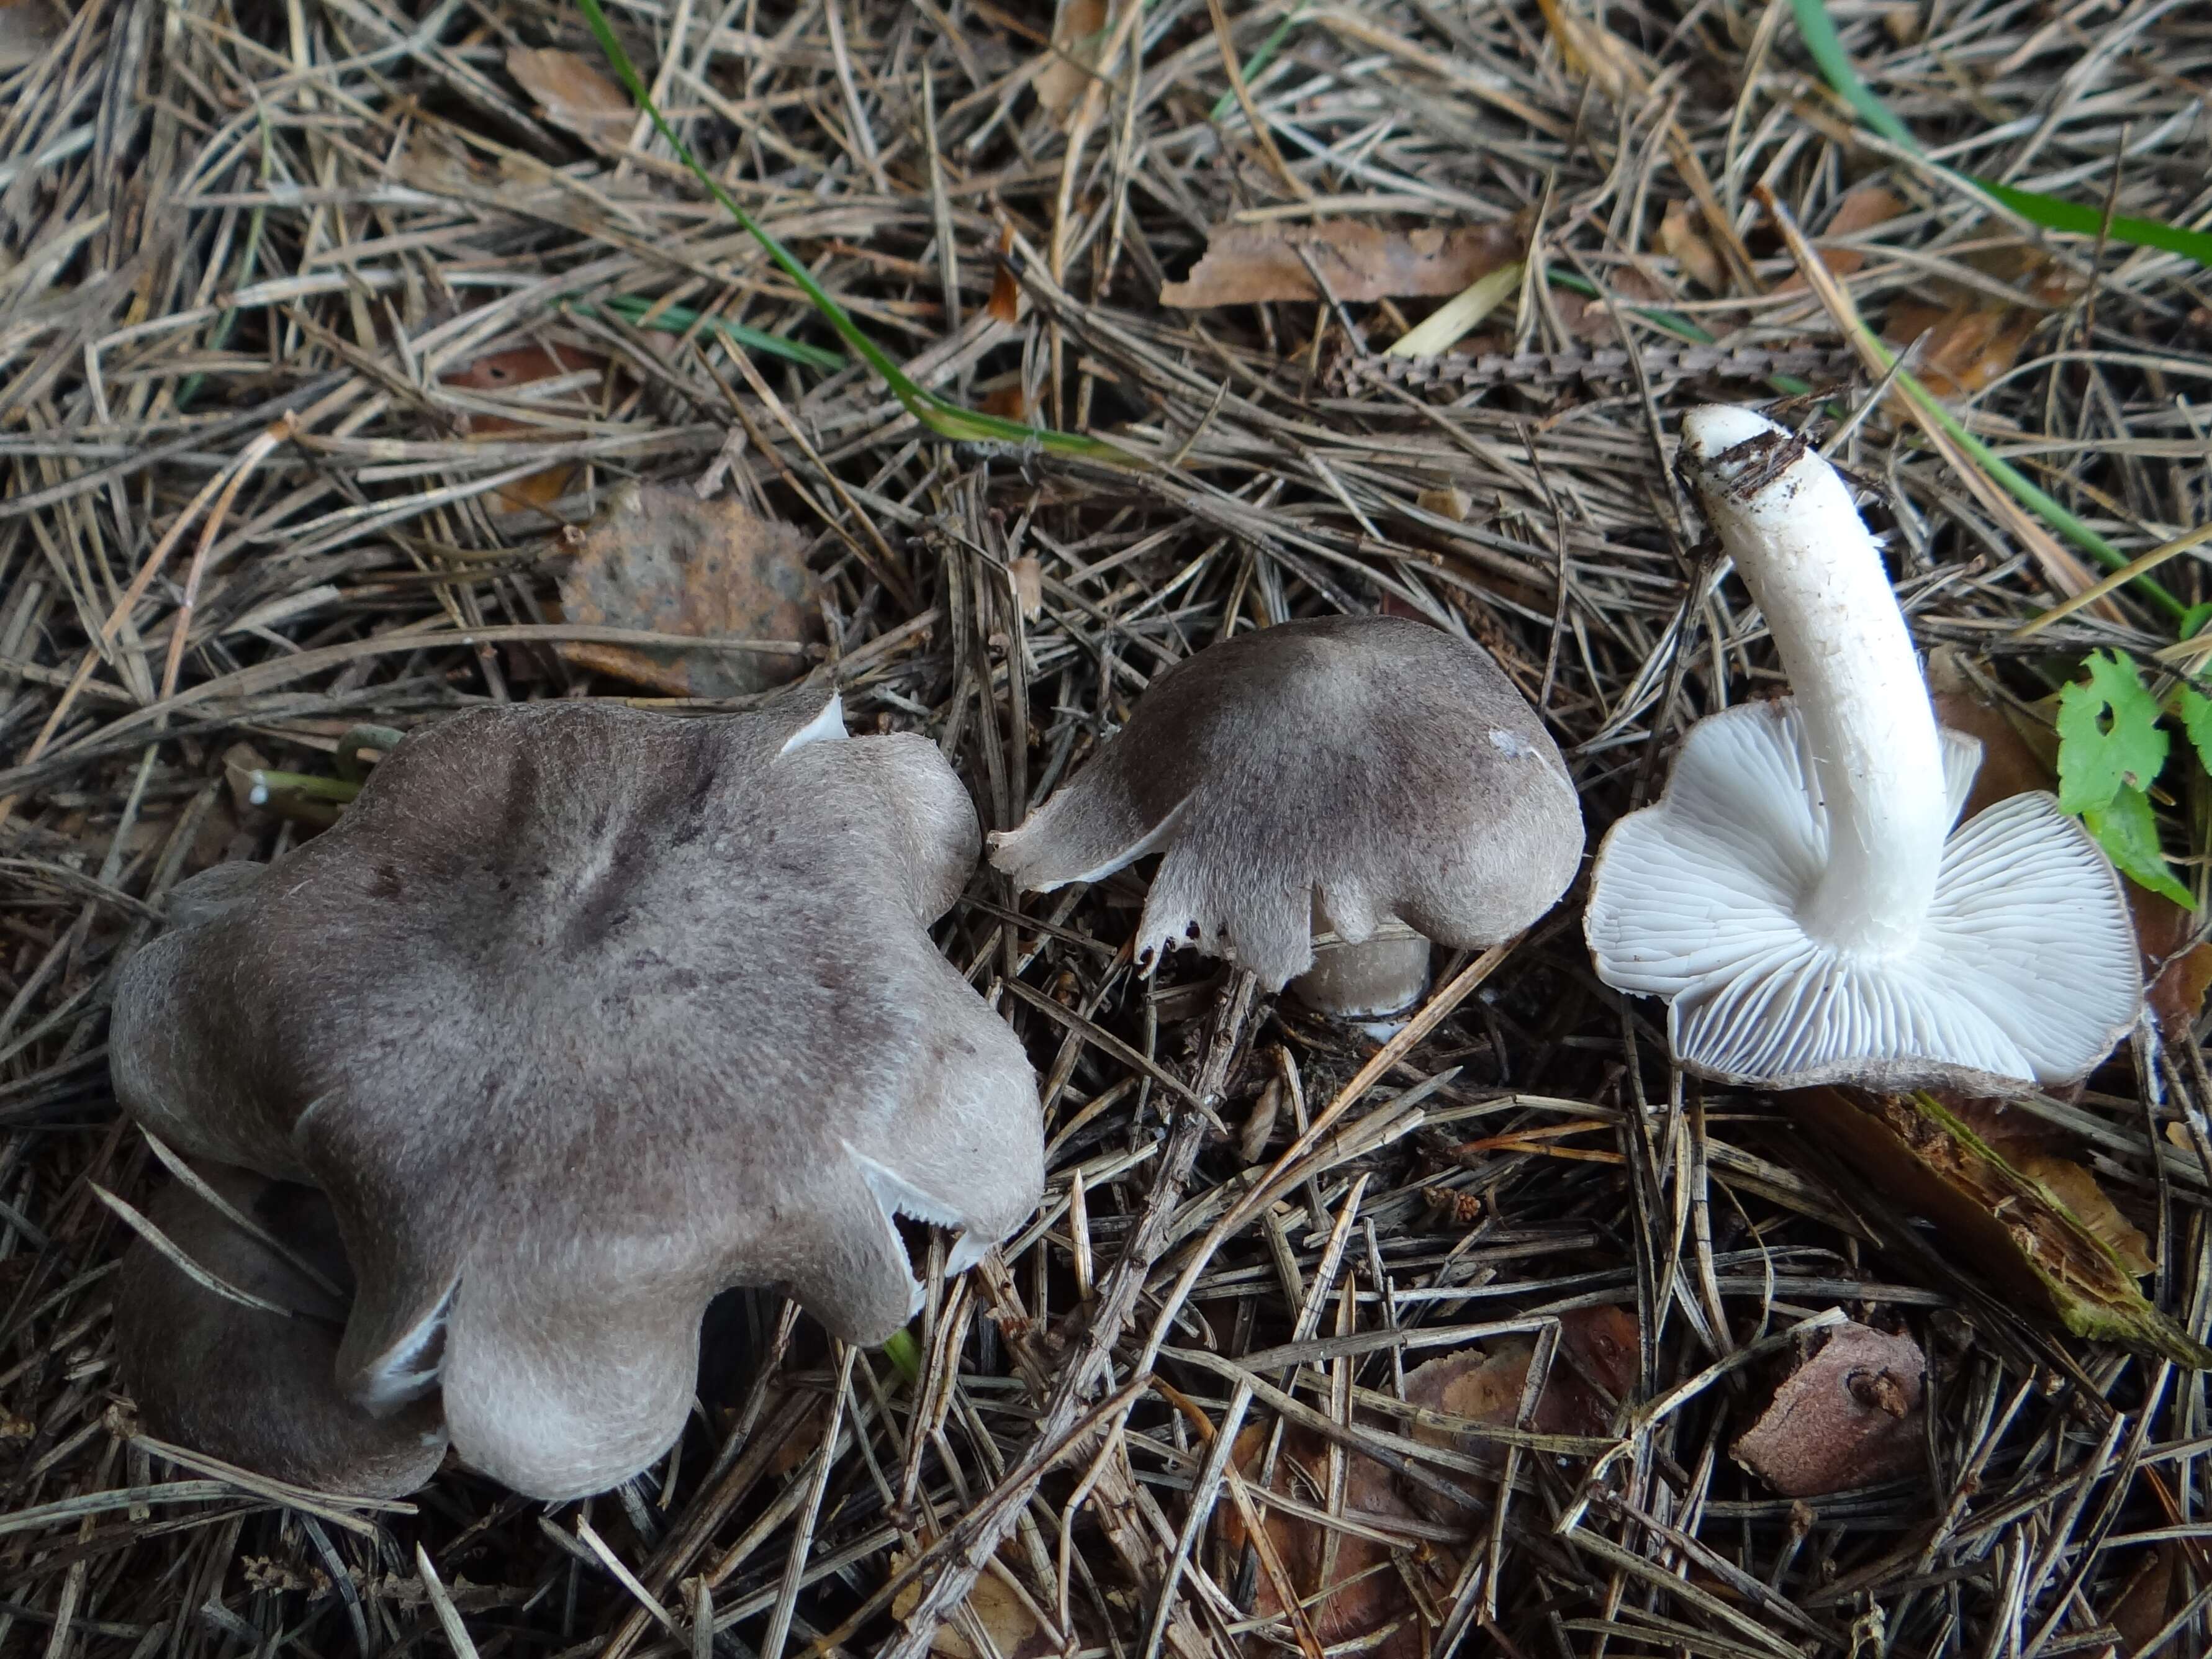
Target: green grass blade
{"x":2078,"y":219}
{"x":679,"y":320}
{"x":1258,"y":61}
{"x":940,"y":415}
{"x":2050,"y":212}
{"x":1819,"y":30}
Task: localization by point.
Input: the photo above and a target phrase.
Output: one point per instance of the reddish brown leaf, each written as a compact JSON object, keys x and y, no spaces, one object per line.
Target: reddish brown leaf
{"x":1683,"y":240}
{"x":663,"y":560}
{"x":1963,"y":346}
{"x":2077,"y":1190}
{"x":1849,"y":1414}
{"x":1009,"y":403}
{"x":1245,"y":264}
{"x":503,"y":371}
{"x":1363,"y":1594}
{"x":2147,"y":1601}
{"x":1005,"y":302}
{"x":1861,"y":208}
{"x":571,"y":91}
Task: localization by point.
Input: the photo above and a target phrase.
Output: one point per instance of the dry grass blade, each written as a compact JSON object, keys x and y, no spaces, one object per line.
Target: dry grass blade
{"x":326,"y":331}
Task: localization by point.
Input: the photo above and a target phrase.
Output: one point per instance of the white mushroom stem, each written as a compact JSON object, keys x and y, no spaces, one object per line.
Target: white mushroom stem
{"x":1799,"y":545}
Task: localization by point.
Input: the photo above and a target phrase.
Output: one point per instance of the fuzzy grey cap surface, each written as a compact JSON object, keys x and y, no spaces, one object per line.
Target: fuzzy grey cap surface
{"x":253,"y":1387}
{"x":581,"y":1015}
{"x":1339,"y":772}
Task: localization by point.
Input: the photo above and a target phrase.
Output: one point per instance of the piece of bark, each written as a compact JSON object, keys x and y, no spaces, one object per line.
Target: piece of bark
{"x":665,"y":561}
{"x":1245,"y":264}
{"x":1922,"y":1157}
{"x":1849,"y":1414}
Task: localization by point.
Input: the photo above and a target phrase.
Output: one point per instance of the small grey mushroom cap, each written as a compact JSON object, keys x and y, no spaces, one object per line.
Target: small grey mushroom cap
{"x":581,"y":1015}
{"x":1345,"y":772}
{"x":253,"y":1388}
{"x":2025,"y":970}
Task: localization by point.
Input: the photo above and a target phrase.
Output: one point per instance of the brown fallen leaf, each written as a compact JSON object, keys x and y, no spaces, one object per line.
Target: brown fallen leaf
{"x":1682,"y":240}
{"x":1353,"y":1588}
{"x":1921,"y":1154}
{"x":1005,"y":304}
{"x":1013,"y":1630}
{"x":1596,"y":1358}
{"x":504,"y":371}
{"x":2147,"y":1601}
{"x":1964,"y":346}
{"x":571,"y":91}
{"x":1245,"y":264}
{"x":1864,"y":207}
{"x":663,"y":560}
{"x":1848,"y":1414}
{"x":1078,"y":34}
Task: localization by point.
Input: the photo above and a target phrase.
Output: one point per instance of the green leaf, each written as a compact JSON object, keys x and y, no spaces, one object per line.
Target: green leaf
{"x":2193,"y":620}
{"x":2127,"y":829}
{"x":1818,"y":30}
{"x":678,"y":319}
{"x":2079,"y":218}
{"x":2196,"y":711}
{"x":2109,"y":739}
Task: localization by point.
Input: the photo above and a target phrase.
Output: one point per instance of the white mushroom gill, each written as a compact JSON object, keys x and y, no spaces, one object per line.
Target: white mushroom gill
{"x":1798,"y":894}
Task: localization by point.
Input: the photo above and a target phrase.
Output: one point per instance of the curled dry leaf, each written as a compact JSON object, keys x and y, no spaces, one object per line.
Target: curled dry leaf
{"x":1682,"y":241}
{"x":1849,"y":1414}
{"x":663,"y":560}
{"x":1968,"y":338}
{"x":1245,"y":264}
{"x":1921,"y":1154}
{"x":571,"y":91}
{"x":1078,"y":37}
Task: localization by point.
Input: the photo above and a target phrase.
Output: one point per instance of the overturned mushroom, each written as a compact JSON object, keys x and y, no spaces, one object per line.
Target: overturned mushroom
{"x":1368,"y":778}
{"x":250,"y":1386}
{"x":580,"y":1015}
{"x":1798,"y":894}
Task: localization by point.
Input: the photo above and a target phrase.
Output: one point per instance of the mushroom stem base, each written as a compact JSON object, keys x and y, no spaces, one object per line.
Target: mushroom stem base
{"x":1381,"y":975}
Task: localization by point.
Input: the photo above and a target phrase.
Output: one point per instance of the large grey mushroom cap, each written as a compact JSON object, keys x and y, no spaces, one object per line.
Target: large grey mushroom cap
{"x":581,"y":1015}
{"x":2024,"y":970}
{"x":1343,"y":772}
{"x":250,"y":1387}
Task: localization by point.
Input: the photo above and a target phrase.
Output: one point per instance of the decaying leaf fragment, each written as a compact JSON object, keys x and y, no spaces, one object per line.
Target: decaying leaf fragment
{"x":1245,"y":264}
{"x":1684,"y":240}
{"x":1848,"y":1414}
{"x":1012,"y":1629}
{"x":1078,"y":36}
{"x":571,"y":91}
{"x":664,"y":560}
{"x":1351,"y":1586}
{"x":2009,"y":1225}
{"x":509,"y":371}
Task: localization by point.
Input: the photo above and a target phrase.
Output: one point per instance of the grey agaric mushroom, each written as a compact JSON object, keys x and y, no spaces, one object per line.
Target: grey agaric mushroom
{"x":254,"y":1387}
{"x":1798,"y":894}
{"x":1371,"y":780}
{"x":581,"y":1015}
